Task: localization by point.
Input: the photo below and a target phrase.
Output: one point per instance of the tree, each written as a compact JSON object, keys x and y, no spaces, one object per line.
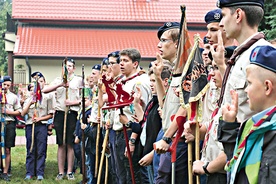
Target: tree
{"x":268,"y":24}
{"x":5,"y":7}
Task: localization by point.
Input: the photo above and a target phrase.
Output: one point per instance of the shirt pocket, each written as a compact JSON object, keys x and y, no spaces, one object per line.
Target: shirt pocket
{"x":238,"y":83}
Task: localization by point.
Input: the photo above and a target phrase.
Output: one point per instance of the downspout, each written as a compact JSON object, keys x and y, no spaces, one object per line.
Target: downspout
{"x":29,"y":68}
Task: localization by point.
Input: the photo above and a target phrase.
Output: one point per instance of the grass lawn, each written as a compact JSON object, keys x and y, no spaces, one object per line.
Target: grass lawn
{"x":51,"y":169}
{"x":21,"y":132}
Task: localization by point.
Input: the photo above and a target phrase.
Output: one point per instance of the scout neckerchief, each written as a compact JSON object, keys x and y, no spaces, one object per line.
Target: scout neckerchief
{"x":251,"y":143}
{"x":132,"y":77}
{"x":231,"y":62}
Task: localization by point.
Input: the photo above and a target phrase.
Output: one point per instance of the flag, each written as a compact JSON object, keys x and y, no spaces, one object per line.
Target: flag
{"x":184,"y":48}
{"x":194,"y":77}
{"x":198,"y":81}
{"x":64,"y":71}
{"x":199,"y":78}
{"x":184,"y":45}
{"x":38,"y":93}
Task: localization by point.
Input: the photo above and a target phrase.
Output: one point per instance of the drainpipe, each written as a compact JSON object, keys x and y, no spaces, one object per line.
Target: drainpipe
{"x":29,"y":68}
{"x":10,"y":67}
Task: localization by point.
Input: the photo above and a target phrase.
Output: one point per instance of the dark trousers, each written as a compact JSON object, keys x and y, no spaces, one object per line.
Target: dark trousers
{"x":35,"y":160}
{"x":217,"y":178}
{"x":181,"y":166}
{"x":121,"y":163}
{"x":112,"y":166}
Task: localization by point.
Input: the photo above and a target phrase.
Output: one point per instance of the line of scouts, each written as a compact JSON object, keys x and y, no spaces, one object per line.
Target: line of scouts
{"x":238,"y":121}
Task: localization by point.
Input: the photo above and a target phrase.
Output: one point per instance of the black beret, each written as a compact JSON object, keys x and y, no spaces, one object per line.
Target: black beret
{"x":96,"y":67}
{"x":264,"y":56}
{"x":71,"y":60}
{"x":114,"y":54}
{"x":167,"y":26}
{"x":7,"y":78}
{"x":213,"y":16}
{"x":29,"y":87}
{"x":39,"y":74}
{"x":201,"y":50}
{"x":229,"y":3}
{"x":105,"y":61}
{"x":228,"y":51}
{"x":205,"y":40}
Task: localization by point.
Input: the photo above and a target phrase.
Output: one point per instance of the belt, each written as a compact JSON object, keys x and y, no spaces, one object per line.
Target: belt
{"x":93,"y":124}
{"x":39,"y":123}
{"x":68,"y":112}
{"x":120,"y":131}
{"x":182,"y":139}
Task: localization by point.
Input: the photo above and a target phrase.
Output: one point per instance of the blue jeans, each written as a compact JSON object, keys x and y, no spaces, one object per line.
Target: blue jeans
{"x":156,"y":157}
{"x":150,"y":174}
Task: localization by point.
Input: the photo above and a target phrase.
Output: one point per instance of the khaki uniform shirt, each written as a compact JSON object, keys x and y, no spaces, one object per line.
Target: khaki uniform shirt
{"x":171,"y":104}
{"x":43,"y":109}
{"x":75,"y":84}
{"x":237,"y":81}
{"x":210,"y":102}
{"x":95,"y":107}
{"x":213,"y":146}
{"x":144,"y":83}
{"x":13,"y":104}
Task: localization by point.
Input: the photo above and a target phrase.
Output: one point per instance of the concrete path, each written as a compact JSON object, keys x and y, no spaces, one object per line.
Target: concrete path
{"x":21,"y":140}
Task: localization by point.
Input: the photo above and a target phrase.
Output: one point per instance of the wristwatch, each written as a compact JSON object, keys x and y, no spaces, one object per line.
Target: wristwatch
{"x":132,"y":140}
{"x":205,"y":168}
{"x":168,"y":140}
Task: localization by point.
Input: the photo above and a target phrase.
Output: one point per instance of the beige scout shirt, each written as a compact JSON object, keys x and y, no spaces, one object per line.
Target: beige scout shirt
{"x":237,"y":81}
{"x":144,"y":83}
{"x":75,"y":84}
{"x":213,"y":147}
{"x":44,"y":108}
{"x":95,"y":107}
{"x":171,"y":104}
{"x":13,"y":104}
{"x":210,"y":102}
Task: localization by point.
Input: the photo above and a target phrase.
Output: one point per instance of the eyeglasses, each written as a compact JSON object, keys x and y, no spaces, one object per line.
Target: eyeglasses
{"x":163,"y":40}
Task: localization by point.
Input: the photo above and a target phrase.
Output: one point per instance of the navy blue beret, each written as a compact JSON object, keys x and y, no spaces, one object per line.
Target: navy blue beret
{"x":264,"y":56}
{"x":201,"y":50}
{"x":29,"y":87}
{"x":114,"y":54}
{"x":39,"y":74}
{"x":105,"y":61}
{"x":71,"y":60}
{"x":7,"y":78}
{"x":96,"y":67}
{"x":205,"y":40}
{"x":228,"y":52}
{"x":213,"y":16}
{"x":229,"y":3}
{"x":167,"y":26}
{"x":150,"y":65}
